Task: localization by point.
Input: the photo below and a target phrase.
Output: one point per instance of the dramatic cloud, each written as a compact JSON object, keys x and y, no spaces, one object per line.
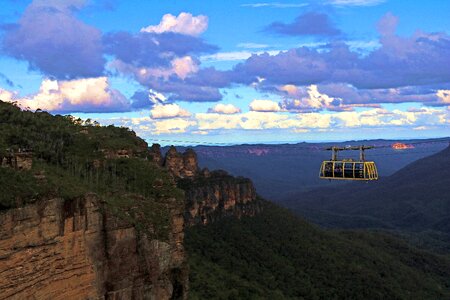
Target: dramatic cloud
{"x":421,"y":59}
{"x":310,"y":23}
{"x":166,"y":63}
{"x":168,"y":111}
{"x":151,"y":49}
{"x":352,"y":96}
{"x":344,"y":97}
{"x":227,"y":109}
{"x":81,"y":95}
{"x":264,"y":106}
{"x":179,"y":90}
{"x":54,"y":42}
{"x":309,"y":99}
{"x":185,"y":23}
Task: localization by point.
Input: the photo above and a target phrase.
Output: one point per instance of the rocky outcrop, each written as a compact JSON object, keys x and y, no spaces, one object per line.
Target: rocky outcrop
{"x":190,"y":164}
{"x":114,"y":154}
{"x":180,"y":165}
{"x":20,"y":160}
{"x":209,"y":195}
{"x":214,"y":195}
{"x":155,"y":154}
{"x":76,"y":249}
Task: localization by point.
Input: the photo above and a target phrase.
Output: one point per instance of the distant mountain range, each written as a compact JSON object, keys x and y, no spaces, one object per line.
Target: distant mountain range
{"x":280,"y":171}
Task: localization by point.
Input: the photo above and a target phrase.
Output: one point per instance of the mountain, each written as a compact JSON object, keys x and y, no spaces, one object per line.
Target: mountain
{"x":279,"y":171}
{"x":415,"y":199}
{"x":275,"y":255}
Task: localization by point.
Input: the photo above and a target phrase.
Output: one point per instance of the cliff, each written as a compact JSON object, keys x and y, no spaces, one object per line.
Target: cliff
{"x":90,"y":212}
{"x":84,"y":214}
{"x":209,"y":196}
{"x":218,"y":195}
{"x":70,"y":249}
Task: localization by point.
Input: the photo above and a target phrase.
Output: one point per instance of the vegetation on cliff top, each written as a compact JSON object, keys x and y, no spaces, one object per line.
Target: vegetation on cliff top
{"x":72,"y":158}
{"x":275,"y":255}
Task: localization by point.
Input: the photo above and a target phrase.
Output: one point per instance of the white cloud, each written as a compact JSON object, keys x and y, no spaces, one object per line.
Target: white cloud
{"x":444,"y":96}
{"x":227,"y":109}
{"x":169,"y":111}
{"x":264,"y":106}
{"x":156,"y":97}
{"x":6,"y":96}
{"x":185,"y":23}
{"x":87,"y":95}
{"x":172,"y":126}
{"x":310,"y":99}
{"x":371,"y":118}
{"x":205,"y":123}
{"x":181,"y":66}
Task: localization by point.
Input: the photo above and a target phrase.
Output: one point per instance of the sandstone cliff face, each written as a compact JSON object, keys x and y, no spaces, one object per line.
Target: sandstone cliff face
{"x":79,"y":249}
{"x":218,"y":195}
{"x":180,"y":165}
{"x":58,"y":249}
{"x":209,"y":195}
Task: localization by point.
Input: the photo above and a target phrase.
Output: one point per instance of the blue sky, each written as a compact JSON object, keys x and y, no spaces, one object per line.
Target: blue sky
{"x":234,"y":71}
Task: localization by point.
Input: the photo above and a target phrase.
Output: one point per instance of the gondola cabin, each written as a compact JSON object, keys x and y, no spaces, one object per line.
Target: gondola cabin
{"x":349,"y":169}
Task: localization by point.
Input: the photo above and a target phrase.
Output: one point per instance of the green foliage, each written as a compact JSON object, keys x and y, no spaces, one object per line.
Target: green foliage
{"x":277,"y":256}
{"x":73,"y":159}
{"x":18,"y":186}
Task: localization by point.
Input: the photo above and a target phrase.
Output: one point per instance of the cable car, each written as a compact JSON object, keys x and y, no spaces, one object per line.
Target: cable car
{"x":349,"y":169}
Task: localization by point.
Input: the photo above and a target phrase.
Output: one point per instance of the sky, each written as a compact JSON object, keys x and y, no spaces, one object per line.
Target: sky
{"x":231,"y":72}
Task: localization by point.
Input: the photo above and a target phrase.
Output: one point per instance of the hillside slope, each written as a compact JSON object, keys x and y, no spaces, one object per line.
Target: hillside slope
{"x":274,"y":255}
{"x":415,"y":198}
{"x":415,"y":202}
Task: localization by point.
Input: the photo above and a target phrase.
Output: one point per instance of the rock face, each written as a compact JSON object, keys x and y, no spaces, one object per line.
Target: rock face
{"x":218,"y":195}
{"x":210,"y":195}
{"x":79,"y":249}
{"x":155,"y":154}
{"x":57,"y":249}
{"x":21,"y":160}
{"x":180,"y":165}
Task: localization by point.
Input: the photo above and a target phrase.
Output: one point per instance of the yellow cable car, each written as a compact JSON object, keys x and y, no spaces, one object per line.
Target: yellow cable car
{"x":349,"y":169}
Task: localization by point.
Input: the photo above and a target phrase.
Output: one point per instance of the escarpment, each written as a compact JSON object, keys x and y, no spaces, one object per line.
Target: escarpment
{"x":84,"y":214}
{"x":91,"y":212}
{"x":77,"y":249}
{"x":208,"y":195}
